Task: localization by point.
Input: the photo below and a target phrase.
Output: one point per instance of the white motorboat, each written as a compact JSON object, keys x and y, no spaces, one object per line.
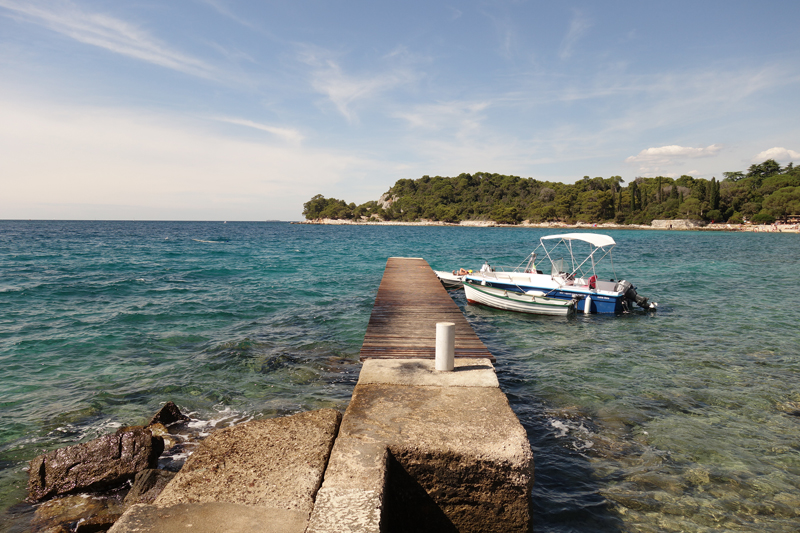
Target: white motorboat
{"x":570,"y":278}
{"x":452,"y":280}
{"x":533,"y":302}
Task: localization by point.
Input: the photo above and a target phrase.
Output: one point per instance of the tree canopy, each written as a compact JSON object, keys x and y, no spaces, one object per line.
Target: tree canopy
{"x":764,"y":193}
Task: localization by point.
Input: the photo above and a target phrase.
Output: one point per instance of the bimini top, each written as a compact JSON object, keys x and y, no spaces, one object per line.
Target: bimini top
{"x":592,"y":238}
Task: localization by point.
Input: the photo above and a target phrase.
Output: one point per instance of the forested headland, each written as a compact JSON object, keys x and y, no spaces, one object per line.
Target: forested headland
{"x":763,"y":194}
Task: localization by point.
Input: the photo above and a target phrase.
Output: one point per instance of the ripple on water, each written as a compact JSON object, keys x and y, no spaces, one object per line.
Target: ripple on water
{"x":679,"y":420}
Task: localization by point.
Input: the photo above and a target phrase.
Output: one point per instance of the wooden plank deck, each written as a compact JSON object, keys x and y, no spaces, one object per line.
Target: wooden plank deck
{"x":410,"y":302}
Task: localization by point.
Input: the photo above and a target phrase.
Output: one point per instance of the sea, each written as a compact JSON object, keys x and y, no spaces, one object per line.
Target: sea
{"x":683,"y":419}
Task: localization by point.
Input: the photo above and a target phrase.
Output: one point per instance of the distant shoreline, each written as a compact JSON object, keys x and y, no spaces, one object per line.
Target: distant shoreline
{"x":764,"y":228}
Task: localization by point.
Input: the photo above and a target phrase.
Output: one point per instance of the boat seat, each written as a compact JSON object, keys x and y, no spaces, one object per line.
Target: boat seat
{"x":606,"y":285}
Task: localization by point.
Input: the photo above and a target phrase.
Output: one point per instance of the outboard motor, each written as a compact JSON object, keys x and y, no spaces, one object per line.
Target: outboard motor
{"x":629,"y":292}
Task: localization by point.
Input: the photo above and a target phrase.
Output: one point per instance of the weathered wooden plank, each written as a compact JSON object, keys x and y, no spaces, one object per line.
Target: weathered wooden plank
{"x":409,"y":303}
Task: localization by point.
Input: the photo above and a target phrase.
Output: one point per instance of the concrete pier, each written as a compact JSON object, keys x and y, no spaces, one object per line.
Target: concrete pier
{"x":416,"y":450}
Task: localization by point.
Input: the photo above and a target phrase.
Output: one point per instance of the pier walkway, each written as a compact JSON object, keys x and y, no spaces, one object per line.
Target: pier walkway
{"x":410,"y":302}
{"x":416,"y":450}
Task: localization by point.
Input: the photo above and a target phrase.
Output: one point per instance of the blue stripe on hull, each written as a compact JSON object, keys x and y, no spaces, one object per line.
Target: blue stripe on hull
{"x":601,"y":303}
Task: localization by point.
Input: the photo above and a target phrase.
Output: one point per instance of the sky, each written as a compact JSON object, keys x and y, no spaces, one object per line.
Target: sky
{"x":244,"y":110}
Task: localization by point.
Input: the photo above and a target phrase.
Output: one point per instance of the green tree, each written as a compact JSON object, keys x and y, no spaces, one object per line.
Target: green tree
{"x":313,"y":207}
{"x":733,"y":176}
{"x":783,"y":202}
{"x":714,"y":195}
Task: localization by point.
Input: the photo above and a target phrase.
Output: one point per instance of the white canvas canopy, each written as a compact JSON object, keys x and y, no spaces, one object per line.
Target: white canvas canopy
{"x":594,"y":239}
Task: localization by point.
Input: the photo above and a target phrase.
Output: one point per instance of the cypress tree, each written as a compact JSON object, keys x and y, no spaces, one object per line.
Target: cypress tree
{"x":714,"y":199}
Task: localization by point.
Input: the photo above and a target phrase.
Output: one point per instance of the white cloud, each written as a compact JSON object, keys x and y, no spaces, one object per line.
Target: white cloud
{"x":577,"y":28}
{"x":70,"y":162}
{"x":663,"y":160}
{"x":673,"y":153}
{"x":105,"y":32}
{"x":776,"y":153}
{"x":287,"y":134}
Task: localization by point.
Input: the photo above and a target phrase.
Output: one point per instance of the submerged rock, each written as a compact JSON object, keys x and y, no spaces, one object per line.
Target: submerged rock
{"x":790,"y":407}
{"x":78,"y":512}
{"x":95,"y":465}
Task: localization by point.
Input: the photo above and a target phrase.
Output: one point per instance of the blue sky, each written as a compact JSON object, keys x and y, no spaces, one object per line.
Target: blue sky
{"x":243,"y":110}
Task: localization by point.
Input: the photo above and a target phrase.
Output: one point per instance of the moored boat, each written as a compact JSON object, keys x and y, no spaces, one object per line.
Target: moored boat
{"x":533,"y":302}
{"x":452,"y":280}
{"x":570,"y":278}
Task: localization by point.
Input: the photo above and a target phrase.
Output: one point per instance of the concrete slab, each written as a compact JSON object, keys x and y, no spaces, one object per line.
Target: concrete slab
{"x":454,"y":437}
{"x":422,"y":372}
{"x":277,"y":462}
{"x":258,"y":476}
{"x":213,"y":517}
{"x":343,"y":510}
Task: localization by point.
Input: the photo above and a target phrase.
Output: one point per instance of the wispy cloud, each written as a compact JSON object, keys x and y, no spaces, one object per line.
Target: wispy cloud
{"x":778,"y":154}
{"x":465,"y":117}
{"x":287,"y":134}
{"x":345,"y":90}
{"x":222,"y":8}
{"x":577,"y":28}
{"x":107,"y":32}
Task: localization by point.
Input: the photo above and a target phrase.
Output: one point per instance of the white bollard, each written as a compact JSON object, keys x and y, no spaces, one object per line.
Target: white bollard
{"x":445,"y":346}
{"x":587,"y":306}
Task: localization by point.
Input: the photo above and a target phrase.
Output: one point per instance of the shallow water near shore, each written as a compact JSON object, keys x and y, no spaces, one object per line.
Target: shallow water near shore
{"x":687,"y":419}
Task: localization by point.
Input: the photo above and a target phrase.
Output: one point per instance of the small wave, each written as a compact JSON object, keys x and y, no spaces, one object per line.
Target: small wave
{"x":226,"y":417}
{"x":223,"y":241}
{"x":581,"y":437}
{"x":11,"y":289}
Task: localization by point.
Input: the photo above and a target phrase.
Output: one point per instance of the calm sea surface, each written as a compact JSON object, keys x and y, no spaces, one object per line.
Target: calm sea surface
{"x":687,"y":419}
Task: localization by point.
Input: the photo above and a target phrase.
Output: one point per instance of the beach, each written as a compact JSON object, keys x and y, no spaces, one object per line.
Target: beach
{"x":757,"y":228}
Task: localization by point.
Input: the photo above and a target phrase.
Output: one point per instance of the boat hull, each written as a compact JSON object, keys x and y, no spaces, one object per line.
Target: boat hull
{"x":449,"y":280}
{"x":603,"y":302}
{"x":518,"y":302}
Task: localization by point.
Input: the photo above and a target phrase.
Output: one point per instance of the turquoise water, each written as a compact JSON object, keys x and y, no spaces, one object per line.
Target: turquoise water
{"x":682,"y":420}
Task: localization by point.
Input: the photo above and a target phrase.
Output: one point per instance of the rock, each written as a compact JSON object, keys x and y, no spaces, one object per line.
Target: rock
{"x":698,"y":476}
{"x":678,"y":224}
{"x":169,"y":414}
{"x":790,"y":407}
{"x":94,"y":465}
{"x":159,"y":430}
{"x":61,"y":528}
{"x":147,"y":485}
{"x":96,"y":524}
{"x":79,"y":512}
{"x":66,"y":510}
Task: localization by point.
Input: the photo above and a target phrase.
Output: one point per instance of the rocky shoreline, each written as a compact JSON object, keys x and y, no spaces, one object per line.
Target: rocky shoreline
{"x":669,"y":225}
{"x":86,"y":487}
